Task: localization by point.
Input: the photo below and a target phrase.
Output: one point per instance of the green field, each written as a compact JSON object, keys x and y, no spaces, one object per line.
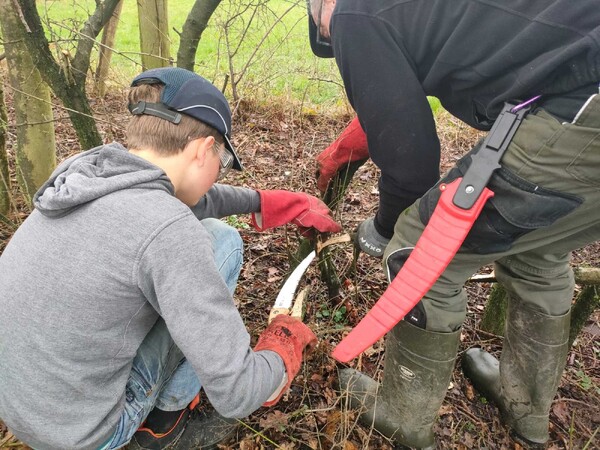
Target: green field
{"x":281,"y":66}
{"x":265,"y":44}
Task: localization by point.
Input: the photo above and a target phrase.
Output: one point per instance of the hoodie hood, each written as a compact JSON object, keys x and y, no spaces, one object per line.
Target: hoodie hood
{"x":96,"y":173}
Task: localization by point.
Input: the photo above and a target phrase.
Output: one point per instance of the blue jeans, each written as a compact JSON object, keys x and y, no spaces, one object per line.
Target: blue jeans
{"x":161,"y":376}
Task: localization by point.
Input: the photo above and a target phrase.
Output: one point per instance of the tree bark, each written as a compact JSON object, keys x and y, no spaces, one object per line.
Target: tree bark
{"x":67,"y":80}
{"x":335,"y":192}
{"x":194,"y":26}
{"x":5,"y":185}
{"x":106,"y":50}
{"x":36,"y":149}
{"x":587,"y":301}
{"x":155,"y":44}
{"x":494,"y":315}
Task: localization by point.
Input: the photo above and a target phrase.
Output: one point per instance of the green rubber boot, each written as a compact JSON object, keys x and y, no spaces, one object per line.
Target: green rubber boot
{"x":418,"y":367}
{"x":525,"y":380}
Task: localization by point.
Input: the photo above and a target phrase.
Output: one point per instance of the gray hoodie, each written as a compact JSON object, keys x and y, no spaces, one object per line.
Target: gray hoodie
{"x":107,"y":250}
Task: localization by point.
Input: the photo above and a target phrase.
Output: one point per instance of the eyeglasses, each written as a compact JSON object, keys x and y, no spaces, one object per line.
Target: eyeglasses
{"x":225,"y":160}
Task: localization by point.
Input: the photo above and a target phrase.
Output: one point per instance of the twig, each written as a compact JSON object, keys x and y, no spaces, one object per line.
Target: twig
{"x":9,"y":436}
{"x":583,"y":275}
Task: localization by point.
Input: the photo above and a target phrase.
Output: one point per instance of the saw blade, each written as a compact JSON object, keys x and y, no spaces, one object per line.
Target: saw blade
{"x":286,"y":294}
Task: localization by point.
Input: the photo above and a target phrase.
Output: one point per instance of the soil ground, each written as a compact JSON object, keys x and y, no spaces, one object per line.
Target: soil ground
{"x":278,"y":146}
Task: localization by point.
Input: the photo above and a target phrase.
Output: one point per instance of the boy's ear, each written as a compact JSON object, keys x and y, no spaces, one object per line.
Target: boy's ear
{"x":201,"y":146}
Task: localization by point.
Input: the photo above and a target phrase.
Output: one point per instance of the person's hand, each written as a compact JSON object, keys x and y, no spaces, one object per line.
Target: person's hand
{"x":369,"y":240}
{"x":288,"y":337}
{"x":281,"y":207}
{"x":350,"y":146}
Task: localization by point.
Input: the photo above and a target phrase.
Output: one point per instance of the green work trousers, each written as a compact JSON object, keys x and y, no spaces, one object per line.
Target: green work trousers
{"x":546,"y":204}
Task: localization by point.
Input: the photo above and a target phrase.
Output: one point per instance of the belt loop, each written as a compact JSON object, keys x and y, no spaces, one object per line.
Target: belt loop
{"x":589,"y":114}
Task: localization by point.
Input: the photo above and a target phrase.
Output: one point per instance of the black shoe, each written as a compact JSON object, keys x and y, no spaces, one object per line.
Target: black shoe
{"x":205,"y":430}
{"x":162,"y":429}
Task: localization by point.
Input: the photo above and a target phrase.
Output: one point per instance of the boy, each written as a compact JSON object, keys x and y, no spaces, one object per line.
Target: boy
{"x":116,"y":299}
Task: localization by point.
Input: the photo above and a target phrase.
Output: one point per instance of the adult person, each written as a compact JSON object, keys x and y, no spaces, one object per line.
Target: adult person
{"x":474,"y":56}
{"x":116,"y":291}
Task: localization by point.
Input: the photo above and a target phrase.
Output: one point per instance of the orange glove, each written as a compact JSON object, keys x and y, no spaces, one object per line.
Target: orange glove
{"x":281,"y":207}
{"x":350,"y":146}
{"x":288,"y":337}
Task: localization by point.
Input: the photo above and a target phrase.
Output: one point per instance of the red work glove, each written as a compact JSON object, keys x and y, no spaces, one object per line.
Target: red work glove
{"x":288,"y":337}
{"x":350,"y":146}
{"x":281,"y":207}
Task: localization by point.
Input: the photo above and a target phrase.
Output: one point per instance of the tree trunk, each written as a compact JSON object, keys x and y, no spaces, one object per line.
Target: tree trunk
{"x":106,"y":50}
{"x":155,"y":44}
{"x":587,"y":301}
{"x":494,"y":315}
{"x":5,"y":192}
{"x":194,"y":26}
{"x":335,"y":192}
{"x":67,"y":79}
{"x":36,"y":150}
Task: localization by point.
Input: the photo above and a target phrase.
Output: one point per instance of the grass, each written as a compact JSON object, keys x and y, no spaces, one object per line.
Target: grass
{"x":283,"y":67}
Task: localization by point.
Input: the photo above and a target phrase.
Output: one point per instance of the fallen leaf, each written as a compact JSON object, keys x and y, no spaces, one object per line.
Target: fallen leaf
{"x":247,"y":444}
{"x":334,"y":420}
{"x":468,"y":440}
{"x":561,"y":411}
{"x":276,"y":419}
{"x":469,"y":392}
{"x":445,"y":410}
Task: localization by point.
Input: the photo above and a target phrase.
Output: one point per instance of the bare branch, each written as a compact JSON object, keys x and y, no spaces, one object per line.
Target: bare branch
{"x":88,"y":34}
{"x":194,"y":26}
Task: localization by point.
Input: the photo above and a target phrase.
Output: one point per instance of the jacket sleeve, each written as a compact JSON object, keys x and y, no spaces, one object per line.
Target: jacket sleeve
{"x":178,"y":276}
{"x":223,"y":200}
{"x":383,"y":87}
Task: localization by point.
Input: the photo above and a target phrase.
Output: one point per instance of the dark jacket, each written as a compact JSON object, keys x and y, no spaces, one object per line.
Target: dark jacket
{"x":473,"y":55}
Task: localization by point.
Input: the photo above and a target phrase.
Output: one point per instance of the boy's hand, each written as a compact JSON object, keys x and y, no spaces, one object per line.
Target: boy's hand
{"x":350,"y":146}
{"x":288,"y":337}
{"x":281,"y":207}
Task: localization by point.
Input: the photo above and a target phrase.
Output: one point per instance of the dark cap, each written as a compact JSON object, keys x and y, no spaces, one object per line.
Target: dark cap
{"x":187,"y":93}
{"x":319,"y":49}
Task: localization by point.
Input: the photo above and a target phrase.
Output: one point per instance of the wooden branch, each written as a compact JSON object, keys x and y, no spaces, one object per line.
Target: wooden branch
{"x":87,"y":39}
{"x":583,"y":276}
{"x":494,"y":315}
{"x":72,"y":96}
{"x":587,"y":275}
{"x":194,"y":26}
{"x":334,"y":194}
{"x":587,"y":301}
{"x":106,"y":50}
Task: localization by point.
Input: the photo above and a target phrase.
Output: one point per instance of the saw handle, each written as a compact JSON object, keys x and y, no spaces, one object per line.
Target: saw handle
{"x":441,"y":239}
{"x":297,"y":310}
{"x":276,"y":311}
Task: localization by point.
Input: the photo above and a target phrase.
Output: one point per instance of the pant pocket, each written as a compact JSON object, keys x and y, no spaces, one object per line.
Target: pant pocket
{"x":517,"y":208}
{"x":137,"y":392}
{"x":584,"y":166}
